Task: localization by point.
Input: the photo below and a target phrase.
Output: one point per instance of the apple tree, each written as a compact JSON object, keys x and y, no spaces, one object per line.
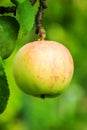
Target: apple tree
{"x":16,"y":21}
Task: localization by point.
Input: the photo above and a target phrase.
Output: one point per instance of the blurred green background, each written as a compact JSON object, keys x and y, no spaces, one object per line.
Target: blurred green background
{"x":65,"y":21}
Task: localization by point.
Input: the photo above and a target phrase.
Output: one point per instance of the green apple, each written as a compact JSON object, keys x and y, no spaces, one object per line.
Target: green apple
{"x":43,"y":68}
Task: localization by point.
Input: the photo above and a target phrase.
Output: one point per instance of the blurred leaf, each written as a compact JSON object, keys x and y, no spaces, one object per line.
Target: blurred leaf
{"x":4,"y":90}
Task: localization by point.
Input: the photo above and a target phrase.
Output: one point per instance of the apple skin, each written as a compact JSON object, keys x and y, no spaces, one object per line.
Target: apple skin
{"x":43,"y":68}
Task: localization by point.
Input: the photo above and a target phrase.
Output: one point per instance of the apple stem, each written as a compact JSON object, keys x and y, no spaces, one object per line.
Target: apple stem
{"x":39,"y":16}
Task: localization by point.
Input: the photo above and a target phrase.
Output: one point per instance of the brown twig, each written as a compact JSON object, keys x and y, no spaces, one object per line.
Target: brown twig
{"x":11,"y":9}
{"x":39,"y":16}
{"x":33,"y":1}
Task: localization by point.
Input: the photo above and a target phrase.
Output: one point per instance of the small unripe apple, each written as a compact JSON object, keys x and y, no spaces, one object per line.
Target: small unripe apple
{"x":43,"y":68}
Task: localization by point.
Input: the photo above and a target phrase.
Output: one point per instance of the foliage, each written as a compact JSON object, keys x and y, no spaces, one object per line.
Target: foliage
{"x":9,"y":28}
{"x":4,"y":91}
{"x":65,"y":21}
{"x":9,"y":33}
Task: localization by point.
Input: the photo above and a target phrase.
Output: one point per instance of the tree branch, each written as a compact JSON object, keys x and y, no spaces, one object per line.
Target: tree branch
{"x":33,"y":1}
{"x":4,"y":10}
{"x":39,"y":16}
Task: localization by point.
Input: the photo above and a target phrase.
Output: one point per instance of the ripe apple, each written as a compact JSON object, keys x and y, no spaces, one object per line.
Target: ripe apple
{"x":43,"y":68}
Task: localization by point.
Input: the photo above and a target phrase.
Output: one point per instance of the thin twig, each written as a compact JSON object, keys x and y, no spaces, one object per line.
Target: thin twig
{"x":11,"y":9}
{"x":39,"y":16}
{"x":33,"y":1}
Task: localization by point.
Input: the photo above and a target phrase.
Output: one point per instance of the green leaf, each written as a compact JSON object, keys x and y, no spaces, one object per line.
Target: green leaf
{"x":25,"y":17}
{"x":4,"y":90}
{"x":9,"y":28}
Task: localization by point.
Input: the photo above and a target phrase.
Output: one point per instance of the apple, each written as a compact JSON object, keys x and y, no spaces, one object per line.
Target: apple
{"x":43,"y":68}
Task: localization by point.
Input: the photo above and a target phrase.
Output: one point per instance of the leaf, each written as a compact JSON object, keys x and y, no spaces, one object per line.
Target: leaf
{"x":9,"y":28}
{"x":4,"y":90}
{"x":25,"y":17}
